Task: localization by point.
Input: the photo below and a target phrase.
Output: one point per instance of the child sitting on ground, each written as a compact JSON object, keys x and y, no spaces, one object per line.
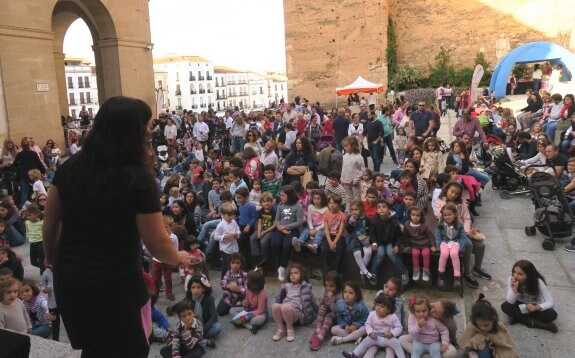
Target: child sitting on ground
{"x":37,"y":308}
{"x":161,"y":330}
{"x":13,"y":314}
{"x":326,"y":314}
{"x":405,"y":185}
{"x":429,"y":334}
{"x":9,"y":260}
{"x":402,"y":209}
{"x":271,"y":183}
{"x":187,"y":339}
{"x":351,"y":313}
{"x":255,"y":302}
{"x":382,"y":328}
{"x":233,"y":285}
{"x":370,"y":203}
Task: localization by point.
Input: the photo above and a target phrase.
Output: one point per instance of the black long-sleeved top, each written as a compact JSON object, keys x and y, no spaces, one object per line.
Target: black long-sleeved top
{"x":25,"y":161}
{"x":374,"y":130}
{"x":384,"y":231}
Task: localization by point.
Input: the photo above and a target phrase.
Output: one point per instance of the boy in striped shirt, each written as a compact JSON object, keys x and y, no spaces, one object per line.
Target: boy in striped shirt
{"x":333,"y":186}
{"x":271,"y":183}
{"x":187,"y":338}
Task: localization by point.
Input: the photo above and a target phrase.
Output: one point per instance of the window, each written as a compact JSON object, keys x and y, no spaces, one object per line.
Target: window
{"x":177,"y":76}
{"x":91,"y":111}
{"x":261,"y":90}
{"x":210,"y":99}
{"x":276,"y":86}
{"x":82,"y":101}
{"x":191,"y":76}
{"x":73,"y":113}
{"x":178,"y":90}
{"x":88,"y":99}
{"x":71,"y":99}
{"x":80,"y":82}
{"x":192,"y":88}
{"x":70,"y":83}
{"x":160,"y":84}
{"x":282,"y":86}
{"x":86,"y":81}
{"x":179,"y":103}
{"x":201,"y":101}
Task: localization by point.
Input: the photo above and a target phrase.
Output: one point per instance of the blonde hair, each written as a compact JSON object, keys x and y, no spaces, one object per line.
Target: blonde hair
{"x":418,"y":300}
{"x":352,"y":142}
{"x":174,"y":191}
{"x":34,"y":174}
{"x":227,"y":208}
{"x":168,"y":220}
{"x":266,"y":196}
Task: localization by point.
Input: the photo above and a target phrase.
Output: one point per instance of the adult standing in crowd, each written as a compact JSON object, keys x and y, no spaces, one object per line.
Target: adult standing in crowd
{"x":374,"y":141}
{"x":25,"y":161}
{"x":340,"y":127}
{"x":537,"y":76}
{"x":468,"y":125}
{"x":421,"y":121}
{"x":94,"y":244}
{"x":289,"y":115}
{"x":300,"y":159}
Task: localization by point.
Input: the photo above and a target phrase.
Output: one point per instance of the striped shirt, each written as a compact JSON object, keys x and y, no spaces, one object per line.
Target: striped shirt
{"x":189,"y":338}
{"x":37,"y":308}
{"x":339,"y":190}
{"x":272,"y":187}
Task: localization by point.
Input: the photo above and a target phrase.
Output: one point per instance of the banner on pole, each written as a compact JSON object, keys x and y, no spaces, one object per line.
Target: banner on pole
{"x":477,"y":75}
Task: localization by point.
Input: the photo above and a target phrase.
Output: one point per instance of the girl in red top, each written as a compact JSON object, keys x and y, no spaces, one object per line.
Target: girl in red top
{"x":370,"y":203}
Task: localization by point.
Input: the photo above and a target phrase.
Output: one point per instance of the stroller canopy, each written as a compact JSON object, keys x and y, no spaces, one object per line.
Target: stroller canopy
{"x":360,"y":85}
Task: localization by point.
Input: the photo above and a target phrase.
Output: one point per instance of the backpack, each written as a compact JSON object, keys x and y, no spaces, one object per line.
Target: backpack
{"x":247,"y":169}
{"x":254,"y":126}
{"x":329,"y":160}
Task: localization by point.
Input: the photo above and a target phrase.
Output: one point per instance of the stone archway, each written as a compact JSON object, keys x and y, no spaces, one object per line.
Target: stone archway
{"x":32,"y":76}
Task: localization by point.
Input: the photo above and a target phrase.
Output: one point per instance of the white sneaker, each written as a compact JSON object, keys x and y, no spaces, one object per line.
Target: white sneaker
{"x":426,"y":274}
{"x":416,"y":274}
{"x":335,"y":340}
{"x":281,"y":273}
{"x":404,"y":279}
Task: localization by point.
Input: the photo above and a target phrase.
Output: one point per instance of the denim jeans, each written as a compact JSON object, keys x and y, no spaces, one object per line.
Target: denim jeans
{"x":213,"y":331}
{"x":41,"y":330}
{"x":210,"y":225}
{"x":434,"y":349}
{"x":338,"y":146}
{"x":260,"y":247}
{"x":317,"y":239}
{"x":481,"y":177}
{"x":383,"y":250}
{"x":550,"y":128}
{"x":375,"y":152}
{"x":565,"y":144}
{"x":388,"y":142}
{"x":14,"y":236}
{"x":237,"y":144}
{"x":24,"y":190}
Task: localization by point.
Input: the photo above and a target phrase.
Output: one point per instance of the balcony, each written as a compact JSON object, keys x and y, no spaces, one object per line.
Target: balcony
{"x":179,"y":107}
{"x":209,"y":78}
{"x":210,"y":90}
{"x":89,"y":100}
{"x":192,"y":78}
{"x":243,"y":93}
{"x":202,"y":91}
{"x":72,"y":103}
{"x":87,"y":85}
{"x":220,"y":84}
{"x":231,"y":82}
{"x":210,"y":104}
{"x":221,"y":96}
{"x":194,"y":106}
{"x":82,"y":101}
{"x":203,"y":105}
{"x":193,"y":92}
{"x":242,"y":82}
{"x":178,"y":93}
{"x":80,"y":85}
{"x":201,"y":78}
{"x":70,"y":85}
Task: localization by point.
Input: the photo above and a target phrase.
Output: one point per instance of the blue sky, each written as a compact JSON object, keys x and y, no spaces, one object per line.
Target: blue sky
{"x":247,"y":34}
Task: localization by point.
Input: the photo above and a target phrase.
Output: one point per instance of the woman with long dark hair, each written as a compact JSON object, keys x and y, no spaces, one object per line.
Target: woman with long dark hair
{"x":300,"y":159}
{"x":25,"y":161}
{"x":529,"y":301}
{"x":93,"y":242}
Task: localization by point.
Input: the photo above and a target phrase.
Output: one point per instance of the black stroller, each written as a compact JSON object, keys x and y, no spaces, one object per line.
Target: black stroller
{"x":553,"y":216}
{"x":506,"y":177}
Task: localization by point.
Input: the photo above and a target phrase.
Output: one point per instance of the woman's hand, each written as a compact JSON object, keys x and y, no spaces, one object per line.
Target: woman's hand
{"x":514,"y":285}
{"x":184,"y":258}
{"x":312,"y":232}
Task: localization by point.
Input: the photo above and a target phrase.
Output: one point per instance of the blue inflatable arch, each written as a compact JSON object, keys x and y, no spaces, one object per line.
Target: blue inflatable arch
{"x":528,"y":53}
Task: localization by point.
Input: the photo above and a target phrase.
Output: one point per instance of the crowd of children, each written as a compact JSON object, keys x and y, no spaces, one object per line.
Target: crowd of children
{"x":238,"y":210}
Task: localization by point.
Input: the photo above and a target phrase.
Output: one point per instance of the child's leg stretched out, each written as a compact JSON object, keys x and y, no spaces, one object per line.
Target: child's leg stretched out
{"x":347,"y":337}
{"x":380,"y":342}
{"x":362,"y":261}
{"x":325,"y":319}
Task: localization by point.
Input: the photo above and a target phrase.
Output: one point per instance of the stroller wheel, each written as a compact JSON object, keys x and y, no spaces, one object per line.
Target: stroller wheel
{"x":530,"y":230}
{"x":504,"y":194}
{"x":548,"y":244}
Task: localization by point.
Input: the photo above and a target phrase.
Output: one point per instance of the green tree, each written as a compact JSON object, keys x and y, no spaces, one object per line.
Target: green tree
{"x":443,"y":71}
{"x":406,"y":77}
{"x":391,"y":50}
{"x":481,"y":60}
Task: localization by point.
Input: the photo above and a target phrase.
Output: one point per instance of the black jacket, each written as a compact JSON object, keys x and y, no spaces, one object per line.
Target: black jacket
{"x":374,"y":130}
{"x":383,"y":232}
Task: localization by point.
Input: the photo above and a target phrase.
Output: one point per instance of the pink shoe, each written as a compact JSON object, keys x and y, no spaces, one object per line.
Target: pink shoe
{"x":315,"y":343}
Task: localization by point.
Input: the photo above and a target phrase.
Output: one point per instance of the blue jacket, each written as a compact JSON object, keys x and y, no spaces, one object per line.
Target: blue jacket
{"x":248,"y":215}
{"x":159,"y":318}
{"x":441,"y":235}
{"x":356,"y":315}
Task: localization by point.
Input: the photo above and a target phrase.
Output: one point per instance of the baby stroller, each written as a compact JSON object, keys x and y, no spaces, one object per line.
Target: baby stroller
{"x":553,"y":216}
{"x":324,"y":141}
{"x":507,"y":178}
{"x":443,"y":147}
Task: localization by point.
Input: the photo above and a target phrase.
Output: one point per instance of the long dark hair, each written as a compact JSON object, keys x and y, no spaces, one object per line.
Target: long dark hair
{"x":531,"y":285}
{"x":118,"y":140}
{"x":305,"y":145}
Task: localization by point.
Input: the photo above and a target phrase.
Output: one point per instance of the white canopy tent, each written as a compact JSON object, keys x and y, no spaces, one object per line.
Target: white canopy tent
{"x":359,"y":85}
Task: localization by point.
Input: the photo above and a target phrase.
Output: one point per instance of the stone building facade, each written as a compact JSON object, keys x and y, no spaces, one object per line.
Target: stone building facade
{"x":33,"y":93}
{"x":330,"y":43}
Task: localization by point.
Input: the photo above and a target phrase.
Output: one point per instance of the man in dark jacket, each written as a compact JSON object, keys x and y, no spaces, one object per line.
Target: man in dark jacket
{"x":374,"y":131}
{"x":340,"y":126}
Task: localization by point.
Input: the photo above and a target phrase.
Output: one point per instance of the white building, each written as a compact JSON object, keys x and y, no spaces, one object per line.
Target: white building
{"x":236,"y":87}
{"x":277,"y":87}
{"x":187,"y":82}
{"x":82,"y":86}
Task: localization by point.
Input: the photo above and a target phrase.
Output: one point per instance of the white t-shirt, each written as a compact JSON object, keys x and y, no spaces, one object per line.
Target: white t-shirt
{"x":174,"y":240}
{"x":38,"y":188}
{"x":74,"y":148}
{"x":537,"y":74}
{"x":228,"y":121}
{"x":371,"y":100}
{"x":171,"y":132}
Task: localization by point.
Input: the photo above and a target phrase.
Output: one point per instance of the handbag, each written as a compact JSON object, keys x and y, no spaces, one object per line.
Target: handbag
{"x":306,"y":177}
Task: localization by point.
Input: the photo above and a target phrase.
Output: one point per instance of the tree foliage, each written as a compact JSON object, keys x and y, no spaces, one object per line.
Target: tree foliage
{"x":391,"y":50}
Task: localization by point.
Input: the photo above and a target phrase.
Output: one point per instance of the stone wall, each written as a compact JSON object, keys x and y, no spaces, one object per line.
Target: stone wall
{"x":467,"y":27}
{"x":329,"y":43}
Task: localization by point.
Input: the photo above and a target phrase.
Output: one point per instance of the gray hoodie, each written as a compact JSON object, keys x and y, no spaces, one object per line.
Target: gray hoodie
{"x":289,"y":215}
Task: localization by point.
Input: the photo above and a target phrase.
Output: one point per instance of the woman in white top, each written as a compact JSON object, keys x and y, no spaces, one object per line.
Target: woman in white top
{"x":252,"y":137}
{"x":539,"y":158}
{"x":529,"y":301}
{"x":356,"y":128}
{"x":171,"y":132}
{"x":8,"y":153}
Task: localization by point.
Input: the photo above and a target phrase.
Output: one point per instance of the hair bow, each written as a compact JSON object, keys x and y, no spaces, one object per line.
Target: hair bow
{"x":412,"y":300}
